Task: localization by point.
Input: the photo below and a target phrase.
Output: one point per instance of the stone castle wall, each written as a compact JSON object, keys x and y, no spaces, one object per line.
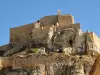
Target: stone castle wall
{"x":5,"y":62}
{"x":22,"y":33}
{"x":49,"y":20}
{"x":65,"y":19}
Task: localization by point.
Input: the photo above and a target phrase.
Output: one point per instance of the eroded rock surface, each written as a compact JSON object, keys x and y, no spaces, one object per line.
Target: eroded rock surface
{"x":52,"y":64}
{"x":96,"y":67}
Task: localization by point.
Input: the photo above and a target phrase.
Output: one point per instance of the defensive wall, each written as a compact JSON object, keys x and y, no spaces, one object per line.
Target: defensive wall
{"x":22,"y":33}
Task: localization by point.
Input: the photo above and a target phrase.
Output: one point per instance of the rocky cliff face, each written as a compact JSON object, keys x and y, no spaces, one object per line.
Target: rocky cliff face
{"x":96,"y":67}
{"x":52,"y":64}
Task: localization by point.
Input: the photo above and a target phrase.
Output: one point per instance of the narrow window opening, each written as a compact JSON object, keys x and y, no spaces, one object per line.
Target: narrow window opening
{"x":71,"y":43}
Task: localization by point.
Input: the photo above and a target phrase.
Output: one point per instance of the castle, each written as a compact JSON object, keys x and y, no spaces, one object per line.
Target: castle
{"x":51,"y":34}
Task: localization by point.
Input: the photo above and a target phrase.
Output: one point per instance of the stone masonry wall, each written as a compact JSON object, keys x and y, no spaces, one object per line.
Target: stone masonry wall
{"x":21,"y":33}
{"x":65,"y":19}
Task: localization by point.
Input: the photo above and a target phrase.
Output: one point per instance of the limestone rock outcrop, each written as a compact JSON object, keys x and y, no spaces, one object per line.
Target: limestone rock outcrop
{"x":96,"y":67}
{"x":52,"y":64}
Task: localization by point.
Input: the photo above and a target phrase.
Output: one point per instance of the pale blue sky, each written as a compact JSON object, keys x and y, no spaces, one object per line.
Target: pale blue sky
{"x":19,"y":12}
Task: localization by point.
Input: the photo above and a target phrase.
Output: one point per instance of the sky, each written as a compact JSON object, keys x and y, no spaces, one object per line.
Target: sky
{"x":15,"y":13}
